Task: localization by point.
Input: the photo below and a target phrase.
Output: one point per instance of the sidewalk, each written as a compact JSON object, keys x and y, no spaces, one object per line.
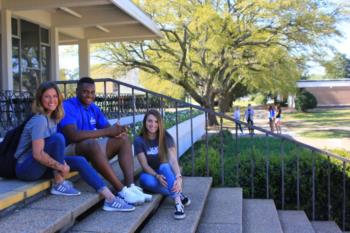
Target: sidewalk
{"x":289,"y":128}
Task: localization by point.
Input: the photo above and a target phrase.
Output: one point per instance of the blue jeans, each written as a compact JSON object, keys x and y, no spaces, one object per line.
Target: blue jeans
{"x":30,"y":169}
{"x":150,"y":183}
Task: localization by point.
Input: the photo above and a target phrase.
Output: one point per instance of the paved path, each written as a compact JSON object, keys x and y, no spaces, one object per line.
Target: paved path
{"x":290,"y":129}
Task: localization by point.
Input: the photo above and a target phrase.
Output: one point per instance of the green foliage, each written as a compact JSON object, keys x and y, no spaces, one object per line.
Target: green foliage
{"x":154,"y":83}
{"x":338,"y":67}
{"x":305,"y":100}
{"x":209,"y":47}
{"x":245,"y":165}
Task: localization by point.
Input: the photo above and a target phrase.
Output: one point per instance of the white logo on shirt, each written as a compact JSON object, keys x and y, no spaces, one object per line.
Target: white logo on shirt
{"x":92,"y":121}
{"x":152,"y":150}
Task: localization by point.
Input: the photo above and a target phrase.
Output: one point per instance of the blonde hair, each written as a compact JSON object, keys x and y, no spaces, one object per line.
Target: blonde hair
{"x":161,"y":134}
{"x":37,"y":106}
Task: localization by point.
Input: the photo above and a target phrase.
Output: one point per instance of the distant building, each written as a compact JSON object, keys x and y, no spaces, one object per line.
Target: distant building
{"x":328,"y":92}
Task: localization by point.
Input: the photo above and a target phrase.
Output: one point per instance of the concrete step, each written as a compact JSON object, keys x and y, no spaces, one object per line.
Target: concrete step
{"x":294,"y":221}
{"x":53,"y":213}
{"x":223,"y":211}
{"x":260,"y":216}
{"x":119,"y":222}
{"x":325,"y":227}
{"x":197,"y":188}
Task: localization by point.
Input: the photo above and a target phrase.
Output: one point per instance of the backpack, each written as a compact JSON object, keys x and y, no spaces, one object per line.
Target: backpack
{"x":8,"y":149}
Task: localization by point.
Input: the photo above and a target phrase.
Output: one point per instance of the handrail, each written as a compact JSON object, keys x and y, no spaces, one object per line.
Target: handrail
{"x":217,"y":114}
{"x":131,"y":104}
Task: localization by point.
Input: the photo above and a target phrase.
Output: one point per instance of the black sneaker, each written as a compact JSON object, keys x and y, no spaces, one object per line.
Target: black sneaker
{"x":185,"y":200}
{"x":179,"y":211}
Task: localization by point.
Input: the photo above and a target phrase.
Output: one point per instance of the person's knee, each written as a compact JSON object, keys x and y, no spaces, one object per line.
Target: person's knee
{"x":148,"y":181}
{"x":89,"y":146}
{"x":57,"y":139}
{"x":165,"y":168}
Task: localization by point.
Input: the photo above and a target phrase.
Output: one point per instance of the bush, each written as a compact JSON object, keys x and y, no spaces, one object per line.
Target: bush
{"x":245,"y":165}
{"x":305,"y":100}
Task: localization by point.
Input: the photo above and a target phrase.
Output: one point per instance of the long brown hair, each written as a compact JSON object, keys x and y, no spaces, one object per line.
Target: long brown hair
{"x":37,"y":106}
{"x":161,"y":134}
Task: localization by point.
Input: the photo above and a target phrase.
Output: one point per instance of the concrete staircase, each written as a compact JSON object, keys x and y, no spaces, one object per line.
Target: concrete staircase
{"x":214,"y":210}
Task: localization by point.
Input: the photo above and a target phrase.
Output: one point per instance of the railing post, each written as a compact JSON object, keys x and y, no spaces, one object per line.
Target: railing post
{"x":298,"y":180}
{"x":133,"y":112}
{"x":206,"y":144}
{"x":222,"y":153}
{"x":329,"y":188}
{"x":192,"y":146}
{"x":344,"y":197}
{"x":147,"y":102}
{"x":177,"y":131}
{"x":104,"y":95}
{"x":313,"y":187}
{"x":252,"y":171}
{"x":237,"y":157}
{"x":65,"y":90}
{"x":282,"y":174}
{"x":119,"y":102}
{"x":267,"y":164}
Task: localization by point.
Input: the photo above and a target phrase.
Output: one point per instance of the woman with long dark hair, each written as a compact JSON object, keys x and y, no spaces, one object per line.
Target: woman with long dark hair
{"x":156,"y":152}
{"x":40,"y":151}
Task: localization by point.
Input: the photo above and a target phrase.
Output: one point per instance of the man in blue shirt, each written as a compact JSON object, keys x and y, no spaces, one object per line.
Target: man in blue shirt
{"x":88,"y":133}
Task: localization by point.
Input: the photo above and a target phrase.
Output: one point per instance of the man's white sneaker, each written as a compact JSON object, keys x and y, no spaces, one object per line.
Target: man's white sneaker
{"x":137,"y":190}
{"x":131,"y":197}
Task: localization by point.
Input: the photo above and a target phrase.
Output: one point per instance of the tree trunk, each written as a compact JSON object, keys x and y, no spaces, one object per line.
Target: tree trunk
{"x":225,"y":103}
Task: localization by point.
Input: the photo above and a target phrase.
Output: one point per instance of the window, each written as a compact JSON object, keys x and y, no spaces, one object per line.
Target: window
{"x":30,"y":55}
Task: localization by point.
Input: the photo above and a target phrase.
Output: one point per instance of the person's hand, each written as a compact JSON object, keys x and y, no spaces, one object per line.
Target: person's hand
{"x":64,"y":171}
{"x":116,"y":130}
{"x":177,"y":187}
{"x":162,"y":180}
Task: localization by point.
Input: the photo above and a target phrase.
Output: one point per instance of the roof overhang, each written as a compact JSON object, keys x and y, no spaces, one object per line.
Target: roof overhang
{"x":95,"y":20}
{"x":323,"y":83}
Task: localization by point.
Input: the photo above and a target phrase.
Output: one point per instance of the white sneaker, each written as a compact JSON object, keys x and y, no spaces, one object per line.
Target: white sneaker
{"x":130,"y":197}
{"x":137,"y":190}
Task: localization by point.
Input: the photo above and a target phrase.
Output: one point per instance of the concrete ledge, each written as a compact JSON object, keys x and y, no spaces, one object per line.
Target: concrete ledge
{"x":223,"y":211}
{"x":120,"y":222}
{"x":294,"y":221}
{"x":260,"y":216}
{"x":197,"y":188}
{"x":15,"y":191}
{"x":325,"y":227}
{"x":53,"y":213}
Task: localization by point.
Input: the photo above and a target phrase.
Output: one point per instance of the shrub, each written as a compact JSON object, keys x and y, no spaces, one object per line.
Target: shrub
{"x":245,"y":165}
{"x":305,"y":100}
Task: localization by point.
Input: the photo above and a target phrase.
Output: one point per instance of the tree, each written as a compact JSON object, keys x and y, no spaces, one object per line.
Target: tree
{"x":216,"y":49}
{"x":338,"y":67}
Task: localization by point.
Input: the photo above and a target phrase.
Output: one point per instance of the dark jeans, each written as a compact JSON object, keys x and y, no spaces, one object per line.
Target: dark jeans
{"x":30,"y":169}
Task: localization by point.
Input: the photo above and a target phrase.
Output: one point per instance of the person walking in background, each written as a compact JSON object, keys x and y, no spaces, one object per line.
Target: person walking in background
{"x":237,"y":118}
{"x":156,"y":152}
{"x":40,"y":151}
{"x":278,"y":121}
{"x":88,"y":133}
{"x":249,"y":116}
{"x":271,"y":117}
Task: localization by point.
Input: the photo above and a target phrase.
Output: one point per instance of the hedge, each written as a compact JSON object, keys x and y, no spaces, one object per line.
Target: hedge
{"x":255,"y":151}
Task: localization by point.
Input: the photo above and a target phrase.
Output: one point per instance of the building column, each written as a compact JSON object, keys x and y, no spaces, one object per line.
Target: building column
{"x":6,"y":51}
{"x":84,"y":58}
{"x":54,"y":59}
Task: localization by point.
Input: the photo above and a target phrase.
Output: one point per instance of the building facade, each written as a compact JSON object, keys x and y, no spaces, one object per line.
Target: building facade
{"x":32,"y":30}
{"x":334,"y":93}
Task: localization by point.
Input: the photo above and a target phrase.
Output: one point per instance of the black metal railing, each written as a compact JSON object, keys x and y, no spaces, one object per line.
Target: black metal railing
{"x":266,"y":165}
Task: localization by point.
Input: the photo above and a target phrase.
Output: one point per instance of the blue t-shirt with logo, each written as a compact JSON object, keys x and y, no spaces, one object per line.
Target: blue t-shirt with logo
{"x":84,"y":117}
{"x":150,"y":148}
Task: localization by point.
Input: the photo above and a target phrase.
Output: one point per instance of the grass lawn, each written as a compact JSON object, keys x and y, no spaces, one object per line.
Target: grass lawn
{"x":320,"y":123}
